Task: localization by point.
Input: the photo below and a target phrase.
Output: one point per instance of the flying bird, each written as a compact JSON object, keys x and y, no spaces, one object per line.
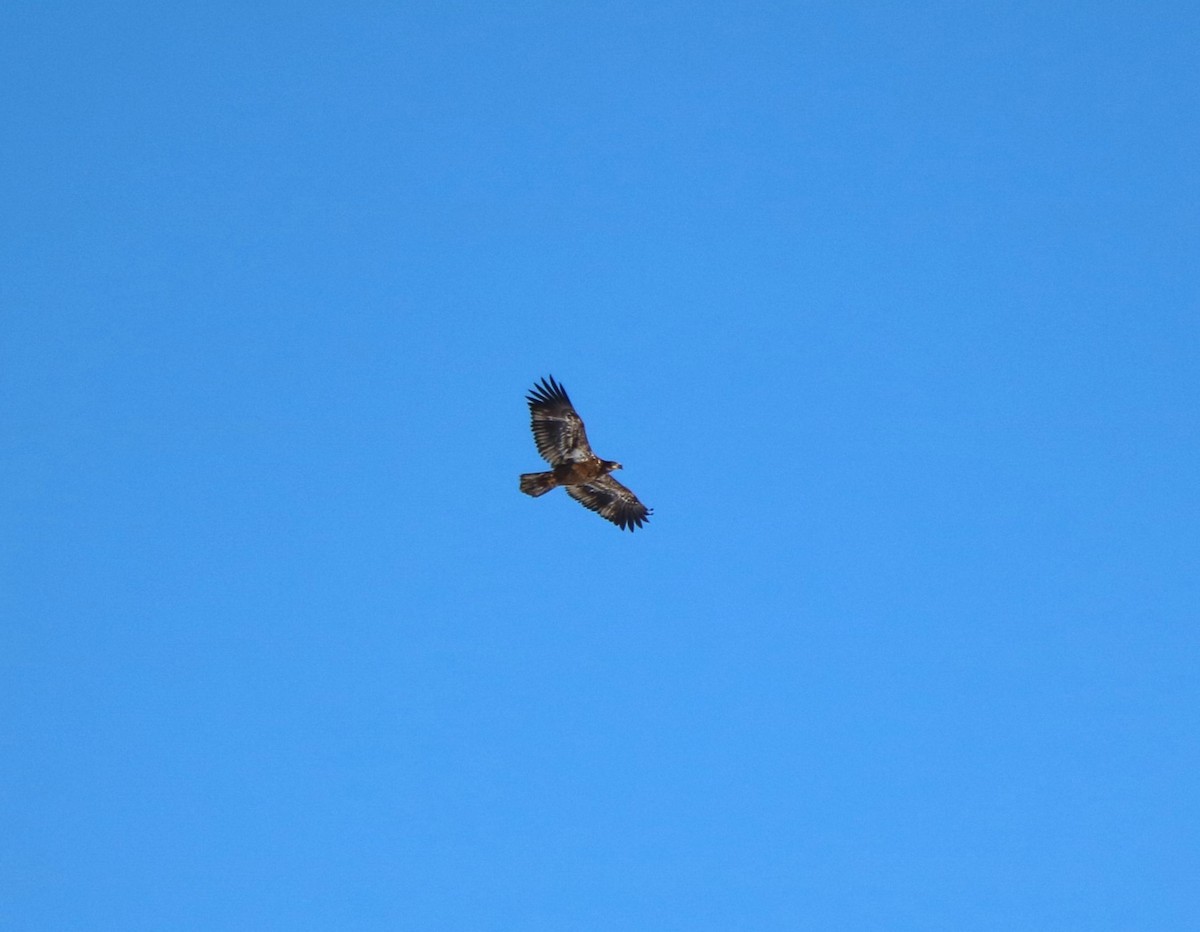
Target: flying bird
{"x":562,"y":442}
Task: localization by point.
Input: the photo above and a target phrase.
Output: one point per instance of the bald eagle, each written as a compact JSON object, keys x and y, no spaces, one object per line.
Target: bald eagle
{"x":562,"y":442}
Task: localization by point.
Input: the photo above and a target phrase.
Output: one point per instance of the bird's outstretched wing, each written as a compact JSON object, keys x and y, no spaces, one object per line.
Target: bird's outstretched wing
{"x":557,"y":428}
{"x":611,"y":500}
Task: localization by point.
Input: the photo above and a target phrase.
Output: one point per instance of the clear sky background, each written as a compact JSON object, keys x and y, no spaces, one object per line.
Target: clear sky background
{"x":892,"y":313}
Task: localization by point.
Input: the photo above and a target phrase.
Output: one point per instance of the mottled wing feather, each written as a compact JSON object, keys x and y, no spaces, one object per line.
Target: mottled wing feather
{"x":611,"y":500}
{"x":557,"y":428}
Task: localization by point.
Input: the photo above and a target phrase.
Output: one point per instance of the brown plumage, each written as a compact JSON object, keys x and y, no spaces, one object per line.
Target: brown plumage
{"x":561,"y":440}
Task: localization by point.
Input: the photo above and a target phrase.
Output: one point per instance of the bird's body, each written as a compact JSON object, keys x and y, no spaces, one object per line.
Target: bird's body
{"x":564,"y":474}
{"x":562,"y":441}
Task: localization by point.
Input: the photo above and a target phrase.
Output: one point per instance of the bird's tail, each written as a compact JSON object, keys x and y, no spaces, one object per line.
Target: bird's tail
{"x":537,"y":483}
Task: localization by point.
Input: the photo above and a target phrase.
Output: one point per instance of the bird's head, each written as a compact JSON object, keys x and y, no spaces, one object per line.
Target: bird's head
{"x":610,"y":465}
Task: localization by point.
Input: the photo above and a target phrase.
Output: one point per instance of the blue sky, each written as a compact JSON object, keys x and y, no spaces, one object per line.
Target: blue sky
{"x":890,"y":311}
